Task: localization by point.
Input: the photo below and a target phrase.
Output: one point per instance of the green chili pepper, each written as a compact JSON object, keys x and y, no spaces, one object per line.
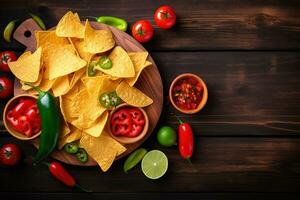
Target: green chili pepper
{"x":115,"y":100}
{"x":113,"y":21}
{"x":105,"y":100}
{"x":8,"y":30}
{"x":91,"y":70}
{"x":71,"y":148}
{"x":51,"y":123}
{"x":82,"y":155}
{"x":109,"y":99}
{"x":134,"y":159}
{"x":104,"y":62}
{"x":38,"y":20}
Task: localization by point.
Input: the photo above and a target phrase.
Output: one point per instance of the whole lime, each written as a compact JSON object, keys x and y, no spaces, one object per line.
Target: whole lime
{"x":166,"y":136}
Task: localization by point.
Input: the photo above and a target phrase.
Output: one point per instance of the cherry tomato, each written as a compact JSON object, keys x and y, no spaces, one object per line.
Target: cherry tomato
{"x":10,"y":154}
{"x":5,"y":57}
{"x":6,"y":87}
{"x":165,"y":17}
{"x":142,"y":31}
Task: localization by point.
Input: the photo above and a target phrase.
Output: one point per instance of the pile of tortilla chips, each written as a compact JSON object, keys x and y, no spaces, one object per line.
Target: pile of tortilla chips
{"x":60,"y":65}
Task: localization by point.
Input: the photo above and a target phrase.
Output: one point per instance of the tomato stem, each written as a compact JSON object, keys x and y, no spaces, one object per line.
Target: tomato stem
{"x":46,"y":163}
{"x":1,"y":87}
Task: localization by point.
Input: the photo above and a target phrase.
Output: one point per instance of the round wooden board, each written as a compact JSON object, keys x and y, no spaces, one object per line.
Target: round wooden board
{"x":149,"y":82}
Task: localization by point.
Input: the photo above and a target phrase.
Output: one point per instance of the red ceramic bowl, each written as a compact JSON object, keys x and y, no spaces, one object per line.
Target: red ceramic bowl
{"x":204,"y":96}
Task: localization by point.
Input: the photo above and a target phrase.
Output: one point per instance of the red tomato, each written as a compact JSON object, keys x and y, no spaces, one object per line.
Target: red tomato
{"x":10,"y":154}
{"x":142,"y":31}
{"x":6,"y":87}
{"x":5,"y":57}
{"x":165,"y":17}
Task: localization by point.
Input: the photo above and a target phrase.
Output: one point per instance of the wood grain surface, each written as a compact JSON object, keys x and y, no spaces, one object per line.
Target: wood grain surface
{"x":248,"y":135}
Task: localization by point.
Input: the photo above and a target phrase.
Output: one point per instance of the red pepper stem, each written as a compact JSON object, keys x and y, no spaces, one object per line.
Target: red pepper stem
{"x":189,"y":160}
{"x":46,"y":163}
{"x":34,"y":87}
{"x":180,"y":121}
{"x":82,"y":188}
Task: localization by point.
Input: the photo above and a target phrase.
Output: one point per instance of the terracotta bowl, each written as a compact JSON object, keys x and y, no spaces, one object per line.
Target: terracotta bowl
{"x":202,"y":102}
{"x":12,"y":102}
{"x":129,"y":140}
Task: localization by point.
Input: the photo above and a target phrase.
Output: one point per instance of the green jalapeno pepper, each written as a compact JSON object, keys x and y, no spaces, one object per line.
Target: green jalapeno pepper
{"x":109,"y":99}
{"x":51,"y":123}
{"x":104,"y":62}
{"x":113,"y":21}
{"x":71,"y":148}
{"x":8,"y":30}
{"x":82,"y":155}
{"x":91,"y":71}
{"x":38,"y":20}
{"x":134,"y":159}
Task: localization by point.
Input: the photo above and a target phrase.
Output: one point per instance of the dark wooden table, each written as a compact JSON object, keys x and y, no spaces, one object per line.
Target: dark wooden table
{"x":247,"y":137}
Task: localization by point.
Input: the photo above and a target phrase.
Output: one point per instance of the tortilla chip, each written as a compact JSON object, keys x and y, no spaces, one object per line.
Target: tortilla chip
{"x":122,"y":65}
{"x":28,"y":67}
{"x":61,"y":86}
{"x":63,"y":61}
{"x":75,"y":134}
{"x":49,"y":39}
{"x":97,"y":41}
{"x":102,"y":149}
{"x":132,"y":95}
{"x":138,"y":71}
{"x":36,"y":83}
{"x":77,"y":76}
{"x":79,"y":47}
{"x":96,"y":129}
{"x":70,"y":26}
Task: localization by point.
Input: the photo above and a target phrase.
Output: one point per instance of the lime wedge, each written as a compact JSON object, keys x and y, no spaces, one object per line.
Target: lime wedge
{"x":154,"y":164}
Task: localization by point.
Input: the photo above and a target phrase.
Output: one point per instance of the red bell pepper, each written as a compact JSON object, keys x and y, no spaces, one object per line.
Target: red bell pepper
{"x":24,"y":117}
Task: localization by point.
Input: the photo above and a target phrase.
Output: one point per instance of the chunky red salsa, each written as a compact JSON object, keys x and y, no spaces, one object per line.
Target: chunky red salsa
{"x":24,"y":117}
{"x":127,"y":121}
{"x":187,"y":93}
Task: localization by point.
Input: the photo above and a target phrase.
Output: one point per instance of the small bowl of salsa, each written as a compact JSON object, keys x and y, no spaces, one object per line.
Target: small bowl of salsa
{"x":21,"y":117}
{"x":128,"y":124}
{"x":188,"y":93}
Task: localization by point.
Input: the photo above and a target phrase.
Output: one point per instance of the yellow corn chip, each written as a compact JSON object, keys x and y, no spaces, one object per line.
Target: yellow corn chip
{"x":132,"y":95}
{"x":75,"y":134}
{"x":97,"y":41}
{"x":79,"y":47}
{"x":96,"y":129}
{"x":122,"y":66}
{"x":48,"y":39}
{"x":28,"y":67}
{"x":63,"y":61}
{"x":61,"y":86}
{"x":102,"y":149}
{"x":138,"y":71}
{"x":70,"y":26}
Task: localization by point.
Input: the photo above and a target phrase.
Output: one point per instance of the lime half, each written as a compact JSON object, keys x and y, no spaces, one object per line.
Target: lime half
{"x":154,"y":164}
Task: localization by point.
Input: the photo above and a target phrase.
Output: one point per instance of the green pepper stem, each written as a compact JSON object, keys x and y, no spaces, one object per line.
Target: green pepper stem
{"x":34,"y":87}
{"x":95,"y":18}
{"x":82,"y":188}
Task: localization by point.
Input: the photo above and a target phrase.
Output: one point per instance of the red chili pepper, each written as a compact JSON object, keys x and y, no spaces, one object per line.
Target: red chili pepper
{"x":186,"y":140}
{"x":61,"y":174}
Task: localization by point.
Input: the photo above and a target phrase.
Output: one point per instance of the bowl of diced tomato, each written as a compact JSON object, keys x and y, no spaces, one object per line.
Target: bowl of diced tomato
{"x":21,"y":117}
{"x":128,"y":124}
{"x":188,"y":93}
